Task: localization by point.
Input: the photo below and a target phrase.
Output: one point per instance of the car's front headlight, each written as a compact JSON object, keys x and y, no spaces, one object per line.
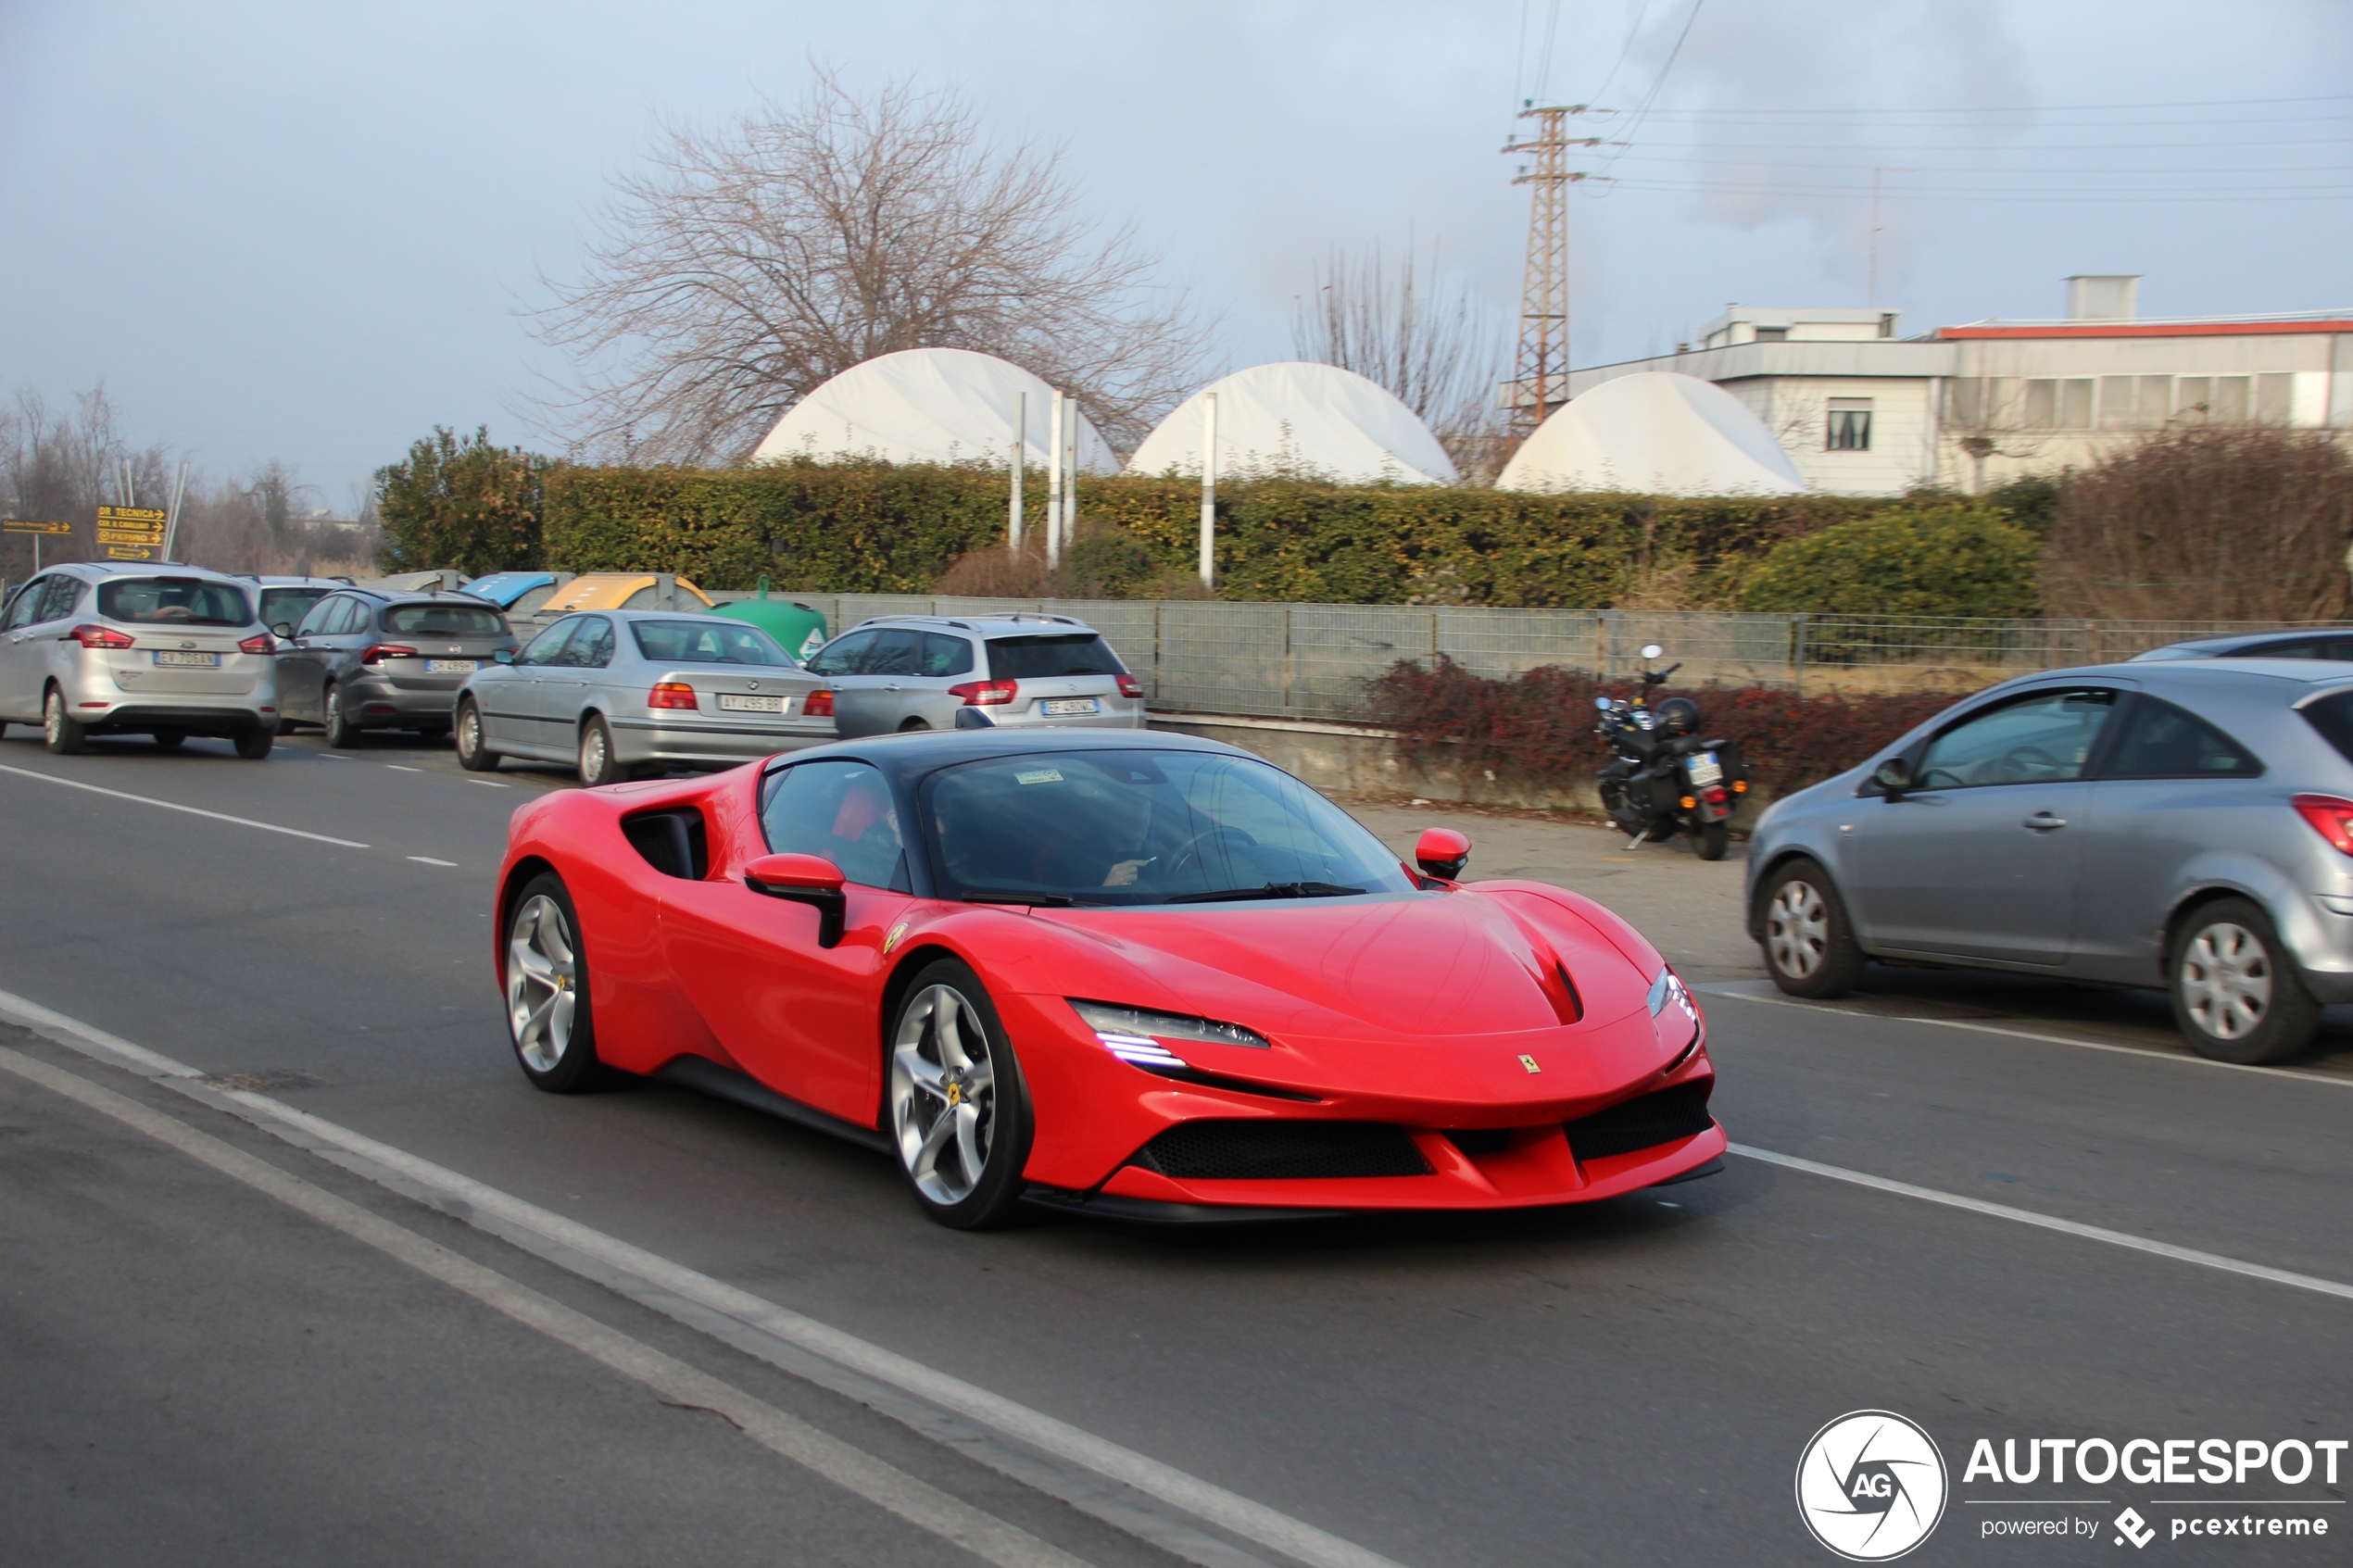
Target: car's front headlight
{"x":1668,"y":988}
{"x":1135,"y":1035}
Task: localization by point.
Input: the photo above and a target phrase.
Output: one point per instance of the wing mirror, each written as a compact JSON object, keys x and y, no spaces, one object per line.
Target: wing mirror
{"x":803,"y":879}
{"x":1895,"y":777}
{"x":1442,"y":853}
{"x":1651,"y":651}
{"x":502,"y":656}
{"x":283,"y":628}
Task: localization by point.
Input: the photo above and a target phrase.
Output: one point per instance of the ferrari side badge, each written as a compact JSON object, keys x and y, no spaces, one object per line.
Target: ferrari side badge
{"x":1526,"y":1061}
{"x":891,"y":939}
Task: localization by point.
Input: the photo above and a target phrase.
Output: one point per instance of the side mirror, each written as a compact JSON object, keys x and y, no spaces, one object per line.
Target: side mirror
{"x":1894,"y":776}
{"x":1602,"y":703}
{"x":1442,"y":853}
{"x":1651,"y":651}
{"x":803,"y":879}
{"x":282,"y":630}
{"x":503,"y":656}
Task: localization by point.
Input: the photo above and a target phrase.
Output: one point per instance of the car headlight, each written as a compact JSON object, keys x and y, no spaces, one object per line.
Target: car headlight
{"x":1135,"y":1035}
{"x":1668,"y":988}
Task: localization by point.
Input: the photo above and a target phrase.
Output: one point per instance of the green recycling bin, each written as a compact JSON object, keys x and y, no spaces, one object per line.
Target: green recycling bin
{"x":801,"y":629}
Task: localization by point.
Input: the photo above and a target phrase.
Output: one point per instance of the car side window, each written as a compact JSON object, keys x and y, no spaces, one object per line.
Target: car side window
{"x":26,"y":610}
{"x":64,"y":594}
{"x":895,"y":653}
{"x":549,"y":647}
{"x":2039,"y":739}
{"x":944,"y":654}
{"x":2161,"y":741}
{"x":321,"y":616}
{"x":843,"y":656}
{"x":2340,"y":649}
{"x":350,"y":616}
{"x":2307,"y":649}
{"x":839,"y":812}
{"x":591,"y":646}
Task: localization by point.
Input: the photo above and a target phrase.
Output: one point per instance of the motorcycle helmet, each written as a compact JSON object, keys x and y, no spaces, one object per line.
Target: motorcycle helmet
{"x":1679,"y":716}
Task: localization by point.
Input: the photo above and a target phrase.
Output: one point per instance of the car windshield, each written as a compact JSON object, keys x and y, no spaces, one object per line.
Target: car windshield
{"x":1035,"y":657}
{"x":706,"y":642}
{"x":173,"y":601}
{"x":1143,"y":827}
{"x":444,"y":620}
{"x":287,"y":607}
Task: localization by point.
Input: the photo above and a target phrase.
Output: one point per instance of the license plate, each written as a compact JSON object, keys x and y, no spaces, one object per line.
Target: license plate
{"x":1705,"y":769}
{"x":192,"y":660}
{"x":1055,"y":709}
{"x":733,"y":702}
{"x":452,"y":666}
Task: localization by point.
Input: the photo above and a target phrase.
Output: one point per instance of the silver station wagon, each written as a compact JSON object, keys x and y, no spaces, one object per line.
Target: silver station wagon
{"x":942,"y":672}
{"x":613,"y":692}
{"x":2186,"y":824}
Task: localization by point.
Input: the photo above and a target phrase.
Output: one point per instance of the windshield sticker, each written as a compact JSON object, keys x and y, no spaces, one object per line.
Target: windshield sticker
{"x":1038,"y":775}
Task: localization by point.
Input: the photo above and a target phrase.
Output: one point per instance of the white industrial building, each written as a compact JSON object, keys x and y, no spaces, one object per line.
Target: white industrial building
{"x":928,"y":406}
{"x":1315,"y":422}
{"x":1655,"y":434}
{"x":1862,"y":411}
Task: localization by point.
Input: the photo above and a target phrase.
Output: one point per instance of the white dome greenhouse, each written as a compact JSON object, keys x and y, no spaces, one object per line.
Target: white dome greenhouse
{"x":1316,"y":420}
{"x":927,"y":406}
{"x":1653,"y":432}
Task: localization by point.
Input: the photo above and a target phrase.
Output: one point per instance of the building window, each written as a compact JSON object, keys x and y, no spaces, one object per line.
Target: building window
{"x":1965,"y":403}
{"x":2230,"y":401}
{"x":1850,"y":424}
{"x":1772,"y":335}
{"x":2275,"y":399}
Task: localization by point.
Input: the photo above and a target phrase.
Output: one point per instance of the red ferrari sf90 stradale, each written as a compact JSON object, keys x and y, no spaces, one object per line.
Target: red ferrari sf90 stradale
{"x":1125,"y":973}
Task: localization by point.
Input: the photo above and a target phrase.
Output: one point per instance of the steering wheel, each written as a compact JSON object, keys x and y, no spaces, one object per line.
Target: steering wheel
{"x":1191,"y":854}
{"x":2019,"y":761}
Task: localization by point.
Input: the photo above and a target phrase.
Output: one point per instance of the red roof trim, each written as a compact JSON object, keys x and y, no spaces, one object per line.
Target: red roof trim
{"x":2153,"y":328}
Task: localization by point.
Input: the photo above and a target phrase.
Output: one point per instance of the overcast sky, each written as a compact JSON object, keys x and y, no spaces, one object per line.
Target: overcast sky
{"x":308,"y":231}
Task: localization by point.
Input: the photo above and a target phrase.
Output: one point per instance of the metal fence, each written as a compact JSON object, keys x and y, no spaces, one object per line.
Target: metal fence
{"x":1311,"y":661}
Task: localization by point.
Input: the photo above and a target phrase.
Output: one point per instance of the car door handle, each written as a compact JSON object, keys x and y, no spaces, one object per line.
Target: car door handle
{"x":892,"y":687}
{"x":2042,"y":822}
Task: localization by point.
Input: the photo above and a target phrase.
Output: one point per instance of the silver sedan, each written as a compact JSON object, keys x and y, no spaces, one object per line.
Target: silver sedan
{"x":613,"y":692}
{"x":2179,"y":826}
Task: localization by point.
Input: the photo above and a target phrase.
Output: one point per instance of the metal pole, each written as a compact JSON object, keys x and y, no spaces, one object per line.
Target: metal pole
{"x":1054,"y":485}
{"x":1209,"y":491}
{"x":1021,"y":441}
{"x":1797,"y":657}
{"x":172,"y":521}
{"x":1070,"y":479}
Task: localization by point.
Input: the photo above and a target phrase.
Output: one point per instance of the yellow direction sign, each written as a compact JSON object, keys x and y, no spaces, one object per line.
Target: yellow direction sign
{"x":128,"y":552}
{"x":131,"y":532}
{"x":25,"y":525}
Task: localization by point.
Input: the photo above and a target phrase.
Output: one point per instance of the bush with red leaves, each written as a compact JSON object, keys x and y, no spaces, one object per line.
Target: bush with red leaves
{"x":1540,"y":725}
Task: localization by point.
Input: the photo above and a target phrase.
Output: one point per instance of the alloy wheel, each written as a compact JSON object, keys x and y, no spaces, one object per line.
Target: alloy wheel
{"x":943,"y":1095}
{"x":1797,"y":929}
{"x":543,"y":977}
{"x":2226,"y":980}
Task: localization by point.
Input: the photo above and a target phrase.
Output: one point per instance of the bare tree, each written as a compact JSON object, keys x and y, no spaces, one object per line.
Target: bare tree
{"x":742,"y":267}
{"x":61,"y":467}
{"x":1442,"y":357}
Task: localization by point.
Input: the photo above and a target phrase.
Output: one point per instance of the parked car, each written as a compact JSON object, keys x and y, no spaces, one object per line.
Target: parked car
{"x":935,"y":672}
{"x":625,"y":590}
{"x":2185,"y":825}
{"x":164,"y":651}
{"x":285,"y":600}
{"x":365,"y":661}
{"x":2331,"y":642}
{"x":615,"y":692}
{"x":1148,"y":977}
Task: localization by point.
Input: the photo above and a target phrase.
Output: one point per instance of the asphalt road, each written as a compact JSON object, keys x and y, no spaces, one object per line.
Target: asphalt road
{"x":2077,"y":1231}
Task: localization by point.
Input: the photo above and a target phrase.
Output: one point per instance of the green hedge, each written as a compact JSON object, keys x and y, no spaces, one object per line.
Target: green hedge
{"x":884,"y":528}
{"x":1940,"y":558}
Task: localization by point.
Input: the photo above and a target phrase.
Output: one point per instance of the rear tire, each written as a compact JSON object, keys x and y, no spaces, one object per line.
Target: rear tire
{"x":254,"y":745}
{"x":342,"y":733}
{"x":1809,"y":948}
{"x":1712,"y":839}
{"x":472,"y":755}
{"x":2237,"y":997}
{"x":59,"y":732}
{"x":596,"y":764}
{"x":548,"y":1012}
{"x":959,"y":1112}
{"x":911,"y":726}
{"x":169,"y":740}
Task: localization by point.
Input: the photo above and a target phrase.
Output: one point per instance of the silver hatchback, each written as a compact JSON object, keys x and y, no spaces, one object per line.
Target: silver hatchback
{"x":939,"y":672}
{"x":614,"y":690}
{"x":2179,"y":826}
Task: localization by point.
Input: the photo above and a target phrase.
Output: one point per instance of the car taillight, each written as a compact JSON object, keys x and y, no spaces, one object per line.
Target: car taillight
{"x":264,"y":643}
{"x":1130,"y":686}
{"x":91,"y":636}
{"x":2331,"y":817}
{"x":672,"y":694}
{"x":819,"y":706}
{"x":383,"y":651}
{"x":986,"y":693}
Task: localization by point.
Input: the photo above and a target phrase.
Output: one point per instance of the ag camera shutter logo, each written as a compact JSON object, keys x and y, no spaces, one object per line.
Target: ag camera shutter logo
{"x":1872,"y":1485}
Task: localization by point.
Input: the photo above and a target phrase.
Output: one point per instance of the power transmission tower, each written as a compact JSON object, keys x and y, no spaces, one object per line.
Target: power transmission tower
{"x":1541,"y":376}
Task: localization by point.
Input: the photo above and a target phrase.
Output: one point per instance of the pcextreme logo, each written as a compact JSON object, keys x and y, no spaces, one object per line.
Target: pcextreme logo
{"x":1870,"y":1485}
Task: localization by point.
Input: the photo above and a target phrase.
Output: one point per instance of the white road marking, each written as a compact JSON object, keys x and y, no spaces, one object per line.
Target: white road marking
{"x":715,"y":1306}
{"x":399,"y":769}
{"x":334,"y":757}
{"x":175,"y":806}
{"x":2185,"y":1059}
{"x":431,"y":861}
{"x":487,"y":784}
{"x":2051,"y":1222}
{"x":852,"y":1469}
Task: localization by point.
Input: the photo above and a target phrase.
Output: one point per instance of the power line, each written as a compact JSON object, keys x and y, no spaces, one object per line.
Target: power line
{"x":2041,"y":108}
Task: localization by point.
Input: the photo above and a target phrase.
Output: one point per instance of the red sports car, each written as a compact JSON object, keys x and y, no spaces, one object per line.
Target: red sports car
{"x":1124,"y":973}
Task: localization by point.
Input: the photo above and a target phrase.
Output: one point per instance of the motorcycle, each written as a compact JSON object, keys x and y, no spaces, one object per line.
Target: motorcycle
{"x":1666,"y":779}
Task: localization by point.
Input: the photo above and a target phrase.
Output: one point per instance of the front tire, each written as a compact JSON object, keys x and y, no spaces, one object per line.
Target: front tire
{"x":1809,"y":947}
{"x":960,"y":1114}
{"x":343,"y":731}
{"x":1712,"y":839}
{"x":2236,"y":995}
{"x":547,"y":1014}
{"x":59,"y":732}
{"x":473,"y":754}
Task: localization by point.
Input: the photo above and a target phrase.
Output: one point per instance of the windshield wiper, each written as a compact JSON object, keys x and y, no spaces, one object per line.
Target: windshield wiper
{"x":1272,"y":890}
{"x":1048,"y":900}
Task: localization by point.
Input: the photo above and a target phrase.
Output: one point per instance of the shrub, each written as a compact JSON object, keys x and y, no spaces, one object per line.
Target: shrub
{"x":1932,"y":559}
{"x":463,"y":504}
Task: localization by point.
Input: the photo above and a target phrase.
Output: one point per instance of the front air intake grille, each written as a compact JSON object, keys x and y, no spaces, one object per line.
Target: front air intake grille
{"x":1281,"y":1151}
{"x":1643,"y":1121}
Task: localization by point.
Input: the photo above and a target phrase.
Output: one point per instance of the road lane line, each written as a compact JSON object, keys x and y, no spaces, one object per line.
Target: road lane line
{"x":2185,"y":1059}
{"x":657,"y":1282}
{"x":487,"y":784}
{"x":850,"y":1468}
{"x":429,"y":860}
{"x":2051,"y":1222}
{"x":399,"y":769}
{"x":175,"y":806}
